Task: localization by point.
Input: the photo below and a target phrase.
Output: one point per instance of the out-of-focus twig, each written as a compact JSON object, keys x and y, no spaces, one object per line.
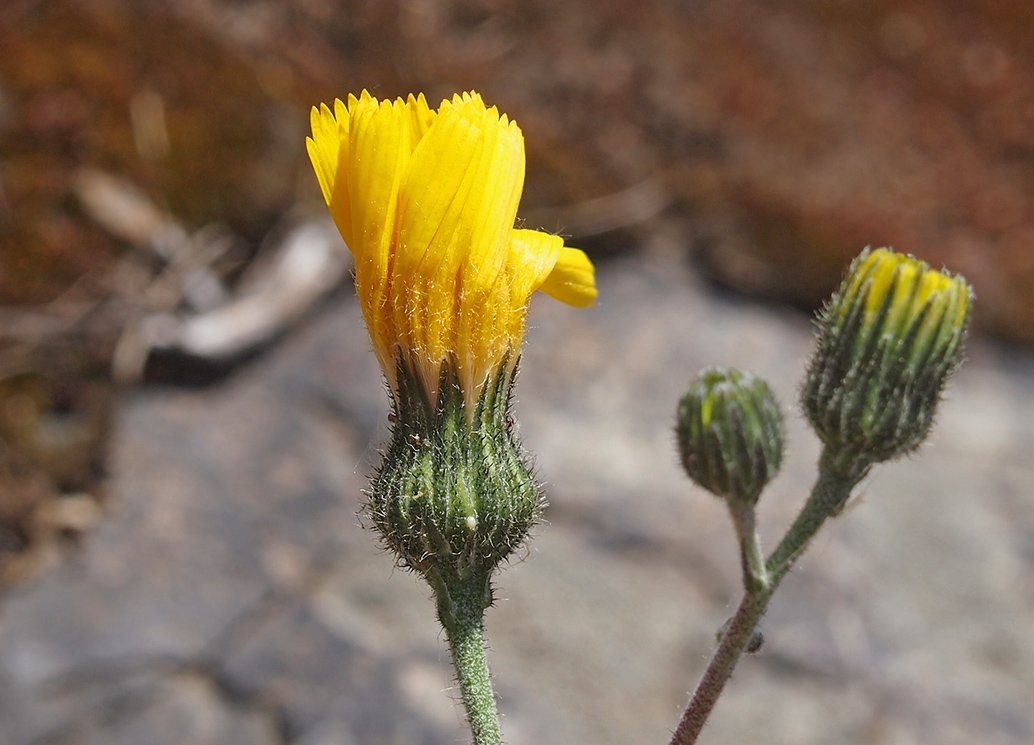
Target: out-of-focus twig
{"x":128,"y":214}
{"x":309,"y":263}
{"x":185,"y":307}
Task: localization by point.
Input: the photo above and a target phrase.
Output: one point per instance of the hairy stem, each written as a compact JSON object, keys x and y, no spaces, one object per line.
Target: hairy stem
{"x":828,"y":496}
{"x":723,"y":662}
{"x":752,"y":561}
{"x":461,"y":609}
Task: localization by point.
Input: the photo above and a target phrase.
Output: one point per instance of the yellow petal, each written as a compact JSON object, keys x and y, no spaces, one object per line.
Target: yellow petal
{"x":432,"y":237}
{"x":533,"y":256}
{"x":437,"y":180}
{"x":422,"y":116}
{"x":323,"y":148}
{"x":327,"y":147}
{"x":487,"y":217}
{"x":458,"y":205}
{"x":379,"y":150}
{"x":492,"y":208}
{"x":573,"y":279}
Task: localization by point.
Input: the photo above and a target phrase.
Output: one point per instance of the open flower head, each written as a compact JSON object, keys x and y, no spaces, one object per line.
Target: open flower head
{"x":426,"y":201}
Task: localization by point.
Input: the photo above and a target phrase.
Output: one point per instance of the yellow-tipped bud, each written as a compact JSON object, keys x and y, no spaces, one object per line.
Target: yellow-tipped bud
{"x":888,"y":340}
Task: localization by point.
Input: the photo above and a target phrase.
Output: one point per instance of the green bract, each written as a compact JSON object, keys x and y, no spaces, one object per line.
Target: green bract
{"x":454,"y":495}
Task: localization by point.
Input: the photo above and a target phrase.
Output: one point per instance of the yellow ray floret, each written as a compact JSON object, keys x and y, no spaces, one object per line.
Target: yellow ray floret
{"x":912,"y":286}
{"x":426,"y":201}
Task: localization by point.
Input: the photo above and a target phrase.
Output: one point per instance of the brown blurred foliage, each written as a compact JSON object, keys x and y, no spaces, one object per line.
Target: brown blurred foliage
{"x":781,"y":137}
{"x":792,"y":133}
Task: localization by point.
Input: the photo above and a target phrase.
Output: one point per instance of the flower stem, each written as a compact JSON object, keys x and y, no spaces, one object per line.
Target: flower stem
{"x":734,"y":641}
{"x":828,"y":496}
{"x":461,"y":609}
{"x":755,"y":572}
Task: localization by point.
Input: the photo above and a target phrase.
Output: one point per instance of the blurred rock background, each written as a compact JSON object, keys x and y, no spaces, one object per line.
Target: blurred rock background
{"x":188,"y":407}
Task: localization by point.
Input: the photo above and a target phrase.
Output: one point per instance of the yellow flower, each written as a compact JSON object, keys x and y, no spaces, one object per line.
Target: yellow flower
{"x":426,"y":202}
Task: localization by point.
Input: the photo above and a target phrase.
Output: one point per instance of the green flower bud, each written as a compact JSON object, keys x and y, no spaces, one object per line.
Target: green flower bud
{"x":888,"y":340}
{"x":453,"y":496}
{"x":730,"y":434}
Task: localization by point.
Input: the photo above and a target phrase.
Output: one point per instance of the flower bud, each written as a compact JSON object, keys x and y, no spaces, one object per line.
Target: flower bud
{"x":730,"y":434}
{"x":888,"y":340}
{"x":453,"y":496}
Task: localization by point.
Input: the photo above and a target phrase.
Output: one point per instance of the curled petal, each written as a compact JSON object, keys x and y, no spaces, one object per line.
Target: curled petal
{"x":533,"y":255}
{"x":573,"y":279}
